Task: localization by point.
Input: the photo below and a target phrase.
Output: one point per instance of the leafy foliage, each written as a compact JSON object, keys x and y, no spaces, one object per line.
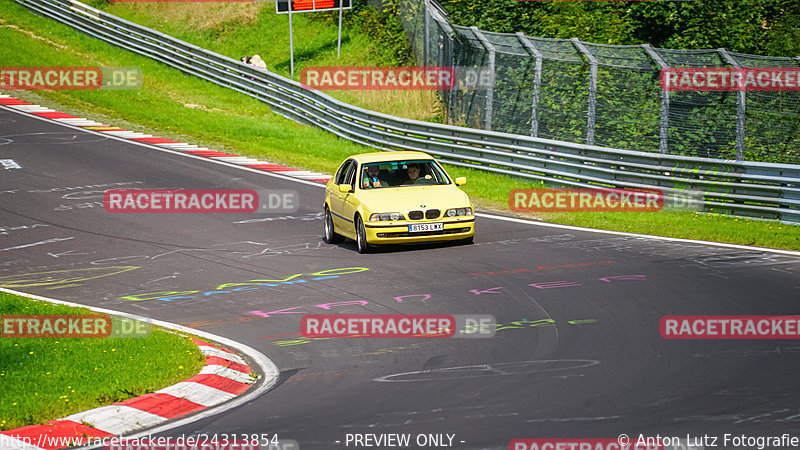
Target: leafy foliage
{"x":766,"y":27}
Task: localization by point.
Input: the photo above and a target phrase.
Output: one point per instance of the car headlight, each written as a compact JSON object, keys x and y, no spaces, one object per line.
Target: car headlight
{"x":452,"y":212}
{"x":386,"y":217}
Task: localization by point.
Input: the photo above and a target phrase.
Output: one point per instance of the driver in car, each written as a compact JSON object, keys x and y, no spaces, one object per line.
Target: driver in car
{"x":413,"y":172}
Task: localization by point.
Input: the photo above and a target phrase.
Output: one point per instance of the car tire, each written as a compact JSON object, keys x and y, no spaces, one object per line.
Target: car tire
{"x":329,"y":235}
{"x":361,"y":236}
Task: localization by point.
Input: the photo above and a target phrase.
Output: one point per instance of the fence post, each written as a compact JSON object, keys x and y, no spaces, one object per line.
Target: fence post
{"x":425,"y":32}
{"x":537,"y":81}
{"x":446,"y":52}
{"x":490,"y":88}
{"x":740,"y":106}
{"x":453,"y":96}
{"x":592,"y":88}
{"x":663,"y":135}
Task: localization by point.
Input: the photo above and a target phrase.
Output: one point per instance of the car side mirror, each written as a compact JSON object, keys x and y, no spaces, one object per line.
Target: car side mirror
{"x":460,"y":181}
{"x":344,"y":188}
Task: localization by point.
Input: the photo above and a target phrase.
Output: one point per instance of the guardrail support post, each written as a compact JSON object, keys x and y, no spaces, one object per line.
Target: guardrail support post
{"x":663,"y":135}
{"x":740,"y":107}
{"x":592,"y":88}
{"x":490,"y":88}
{"x":537,"y":81}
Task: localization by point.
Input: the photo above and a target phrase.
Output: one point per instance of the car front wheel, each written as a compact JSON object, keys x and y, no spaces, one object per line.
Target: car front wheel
{"x":330,"y":236}
{"x":361,"y":236}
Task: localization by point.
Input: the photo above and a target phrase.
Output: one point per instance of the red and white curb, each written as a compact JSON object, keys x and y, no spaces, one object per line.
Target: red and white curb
{"x":224,"y":376}
{"x":40,"y":111}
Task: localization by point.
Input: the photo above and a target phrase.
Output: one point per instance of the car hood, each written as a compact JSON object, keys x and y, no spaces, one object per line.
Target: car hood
{"x":408,"y":198}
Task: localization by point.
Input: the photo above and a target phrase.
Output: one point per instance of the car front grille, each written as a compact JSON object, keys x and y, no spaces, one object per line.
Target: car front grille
{"x":432,"y":214}
{"x":429,"y":214}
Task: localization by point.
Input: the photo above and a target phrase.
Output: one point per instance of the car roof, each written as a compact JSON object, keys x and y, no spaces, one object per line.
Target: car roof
{"x":389,"y":156}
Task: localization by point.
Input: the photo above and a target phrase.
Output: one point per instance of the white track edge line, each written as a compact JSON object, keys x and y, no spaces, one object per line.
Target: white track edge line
{"x":648,"y":236}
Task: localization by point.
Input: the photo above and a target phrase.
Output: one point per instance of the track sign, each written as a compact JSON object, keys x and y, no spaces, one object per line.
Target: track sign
{"x":298,"y":6}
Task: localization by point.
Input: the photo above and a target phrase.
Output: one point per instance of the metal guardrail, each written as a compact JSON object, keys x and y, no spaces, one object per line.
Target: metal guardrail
{"x":737,"y":187}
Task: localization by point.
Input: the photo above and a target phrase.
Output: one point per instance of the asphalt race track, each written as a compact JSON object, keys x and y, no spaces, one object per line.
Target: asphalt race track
{"x":578,"y":355}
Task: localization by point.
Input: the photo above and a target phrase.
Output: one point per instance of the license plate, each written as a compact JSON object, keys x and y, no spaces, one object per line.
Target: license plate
{"x":422,"y":227}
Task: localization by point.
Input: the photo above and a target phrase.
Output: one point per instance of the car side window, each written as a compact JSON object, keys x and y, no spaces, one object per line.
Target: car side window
{"x":351,"y":175}
{"x":342,"y":173}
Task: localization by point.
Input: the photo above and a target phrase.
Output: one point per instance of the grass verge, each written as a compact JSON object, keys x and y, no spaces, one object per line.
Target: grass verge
{"x":176,"y":106}
{"x":48,"y":378}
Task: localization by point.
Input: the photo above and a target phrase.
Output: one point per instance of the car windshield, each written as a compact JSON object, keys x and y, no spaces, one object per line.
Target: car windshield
{"x":402,"y":173}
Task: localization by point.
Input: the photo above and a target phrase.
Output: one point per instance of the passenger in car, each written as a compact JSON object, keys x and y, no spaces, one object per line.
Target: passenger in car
{"x":371,"y":178}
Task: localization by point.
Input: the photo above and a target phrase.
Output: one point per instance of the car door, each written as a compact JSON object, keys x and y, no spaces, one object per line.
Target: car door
{"x":350,"y":201}
{"x":346,"y":175}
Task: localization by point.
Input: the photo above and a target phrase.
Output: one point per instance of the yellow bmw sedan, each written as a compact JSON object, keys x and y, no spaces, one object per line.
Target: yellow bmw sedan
{"x":396,"y":198}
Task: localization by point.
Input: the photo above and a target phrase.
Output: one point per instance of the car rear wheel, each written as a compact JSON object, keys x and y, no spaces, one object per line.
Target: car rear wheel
{"x":361,"y":236}
{"x":330,"y":236}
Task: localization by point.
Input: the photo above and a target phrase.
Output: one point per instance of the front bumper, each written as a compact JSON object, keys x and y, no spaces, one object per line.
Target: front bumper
{"x":397,"y":232}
